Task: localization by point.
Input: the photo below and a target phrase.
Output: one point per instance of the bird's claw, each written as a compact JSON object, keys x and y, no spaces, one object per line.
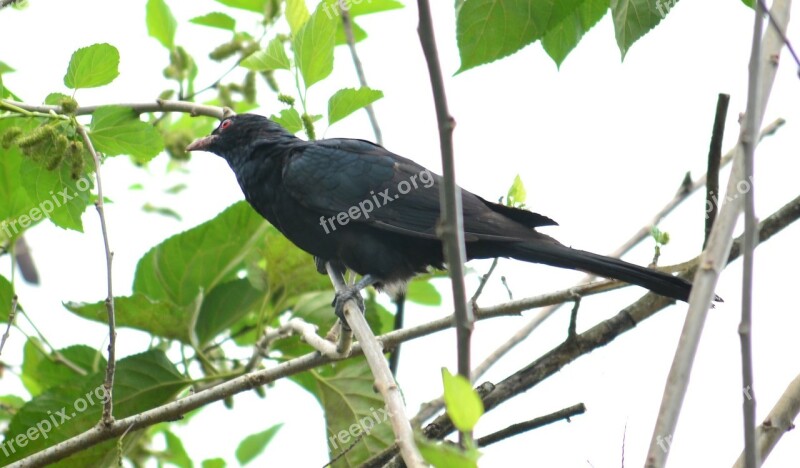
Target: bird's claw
{"x":341,"y":298}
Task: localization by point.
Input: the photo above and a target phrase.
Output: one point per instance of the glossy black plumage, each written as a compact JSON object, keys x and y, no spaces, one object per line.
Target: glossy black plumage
{"x":303,"y":188}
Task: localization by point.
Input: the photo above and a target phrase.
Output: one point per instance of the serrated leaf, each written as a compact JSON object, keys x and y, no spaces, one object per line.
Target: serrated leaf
{"x":296,"y":14}
{"x":256,"y":6}
{"x":313,"y":46}
{"x":142,"y":381}
{"x":462,"y":401}
{"x":566,"y":35}
{"x":352,"y":410}
{"x":635,"y":18}
{"x":197,"y":260}
{"x":487,"y":30}
{"x":54,"y":195}
{"x":118,"y":130}
{"x":44,"y":372}
{"x":159,"y":318}
{"x":254,"y":444}
{"x":92,"y":66}
{"x":215,"y":20}
{"x":272,"y":58}
{"x":14,"y":196}
{"x":160,"y":23}
{"x":289,"y":119}
{"x":346,"y":101}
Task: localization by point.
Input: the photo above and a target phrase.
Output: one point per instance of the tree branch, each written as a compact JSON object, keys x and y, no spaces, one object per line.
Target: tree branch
{"x":108,"y":384}
{"x":714,"y":159}
{"x":777,"y":423}
{"x":523,"y":427}
{"x":159,"y":105}
{"x":384,"y":380}
{"x":712,"y":261}
{"x":11,"y":316}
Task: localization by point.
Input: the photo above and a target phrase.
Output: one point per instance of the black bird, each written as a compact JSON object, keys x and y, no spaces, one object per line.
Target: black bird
{"x":357,"y":205}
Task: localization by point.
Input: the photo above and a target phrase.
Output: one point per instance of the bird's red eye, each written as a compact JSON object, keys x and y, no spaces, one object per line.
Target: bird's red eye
{"x":225,"y":124}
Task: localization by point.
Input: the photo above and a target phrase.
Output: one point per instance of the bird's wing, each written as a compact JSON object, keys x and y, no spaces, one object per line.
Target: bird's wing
{"x":374,"y":186}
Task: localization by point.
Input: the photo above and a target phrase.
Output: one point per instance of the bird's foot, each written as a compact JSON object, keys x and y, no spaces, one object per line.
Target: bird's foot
{"x":341,"y":298}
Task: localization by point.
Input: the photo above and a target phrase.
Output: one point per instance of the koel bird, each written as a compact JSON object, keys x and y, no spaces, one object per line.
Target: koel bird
{"x":359,"y":206}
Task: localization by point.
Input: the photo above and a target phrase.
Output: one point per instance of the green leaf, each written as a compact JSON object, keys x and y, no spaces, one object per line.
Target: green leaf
{"x":296,"y":14}
{"x":14,"y":196}
{"x":346,"y":101}
{"x":635,"y":18}
{"x":224,"y":306}
{"x":463,"y":403}
{"x":289,"y":119}
{"x":5,"y":68}
{"x":272,"y":58}
{"x":313,"y":46}
{"x":160,"y":23}
{"x":142,"y":381}
{"x":372,"y":6}
{"x":6,"y":295}
{"x":256,"y":6}
{"x":444,"y":455}
{"x":175,"y":454}
{"x":353,"y":411}
{"x":9,"y":406}
{"x":358,"y":33}
{"x":162,"y":210}
{"x":254,"y":444}
{"x":560,"y":40}
{"x":516,"y":193}
{"x":118,"y":130}
{"x":214,"y":463}
{"x":215,"y":20}
{"x":159,"y":318}
{"x":487,"y":30}
{"x":92,"y":66}
{"x":44,"y":372}
{"x":423,"y":292}
{"x":55,"y":195}
{"x":197,"y":260}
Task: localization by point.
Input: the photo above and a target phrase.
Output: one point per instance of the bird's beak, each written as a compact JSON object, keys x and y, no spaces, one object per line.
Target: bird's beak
{"x":201,"y":144}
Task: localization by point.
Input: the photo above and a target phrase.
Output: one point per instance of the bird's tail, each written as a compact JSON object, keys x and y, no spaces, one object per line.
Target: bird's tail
{"x":561,"y":256}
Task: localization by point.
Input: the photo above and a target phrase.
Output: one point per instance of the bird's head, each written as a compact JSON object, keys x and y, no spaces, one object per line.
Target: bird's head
{"x":238,"y":134}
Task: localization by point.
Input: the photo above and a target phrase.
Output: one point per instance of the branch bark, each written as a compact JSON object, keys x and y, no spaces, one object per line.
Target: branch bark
{"x":712,"y":262}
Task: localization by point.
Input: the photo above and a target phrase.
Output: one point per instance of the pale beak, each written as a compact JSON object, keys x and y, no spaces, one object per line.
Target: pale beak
{"x":202,"y":144}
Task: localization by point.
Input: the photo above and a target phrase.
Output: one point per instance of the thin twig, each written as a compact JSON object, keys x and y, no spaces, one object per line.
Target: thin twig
{"x":781,"y":32}
{"x":713,"y":259}
{"x":686,"y":189}
{"x":778,"y":422}
{"x":714,"y":159}
{"x":779,"y":220}
{"x":159,"y":105}
{"x":11,"y":316}
{"x":484,"y":280}
{"x":108,"y":384}
{"x":521,"y":428}
{"x":384,"y":380}
{"x":451,"y":228}
{"x":347,"y":25}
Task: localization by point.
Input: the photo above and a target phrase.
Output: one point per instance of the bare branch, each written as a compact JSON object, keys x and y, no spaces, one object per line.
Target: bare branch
{"x":715,"y":256}
{"x":777,"y":423}
{"x":384,"y":380}
{"x":714,"y":159}
{"x":159,"y":105}
{"x":108,"y":384}
{"x":523,"y":427}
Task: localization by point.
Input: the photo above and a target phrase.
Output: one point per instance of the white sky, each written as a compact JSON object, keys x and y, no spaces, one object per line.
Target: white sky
{"x":600,"y":145}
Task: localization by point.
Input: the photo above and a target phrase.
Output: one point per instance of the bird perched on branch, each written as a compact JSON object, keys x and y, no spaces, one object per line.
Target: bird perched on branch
{"x":359,"y":206}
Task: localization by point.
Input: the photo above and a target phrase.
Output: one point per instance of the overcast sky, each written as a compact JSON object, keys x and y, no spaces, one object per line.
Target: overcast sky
{"x":601,"y":145}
